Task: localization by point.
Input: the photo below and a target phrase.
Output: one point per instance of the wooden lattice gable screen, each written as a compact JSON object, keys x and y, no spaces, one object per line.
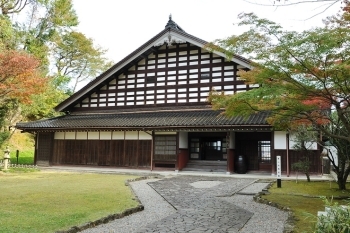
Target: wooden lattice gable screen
{"x":181,"y":74}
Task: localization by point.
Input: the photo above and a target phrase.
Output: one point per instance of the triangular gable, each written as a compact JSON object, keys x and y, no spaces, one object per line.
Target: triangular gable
{"x":107,"y":83}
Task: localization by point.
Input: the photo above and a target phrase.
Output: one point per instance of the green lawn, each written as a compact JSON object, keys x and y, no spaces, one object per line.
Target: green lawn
{"x":24,"y":143}
{"x":24,"y":157}
{"x":51,"y":201}
{"x":303,"y":198}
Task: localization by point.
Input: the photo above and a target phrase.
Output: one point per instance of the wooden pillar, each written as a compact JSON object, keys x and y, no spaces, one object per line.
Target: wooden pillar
{"x":152,"y":150}
{"x":182,"y":158}
{"x":272,"y":153}
{"x":177,"y":152}
{"x":230,"y":160}
{"x":36,"y":146}
{"x":137,"y":148}
{"x":287,"y":138}
{"x":124,"y":151}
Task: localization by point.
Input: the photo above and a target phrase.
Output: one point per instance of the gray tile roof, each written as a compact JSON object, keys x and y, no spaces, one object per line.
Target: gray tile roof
{"x":146,"y":120}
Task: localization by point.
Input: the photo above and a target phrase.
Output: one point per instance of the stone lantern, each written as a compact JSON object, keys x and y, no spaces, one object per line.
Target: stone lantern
{"x":6,"y":157}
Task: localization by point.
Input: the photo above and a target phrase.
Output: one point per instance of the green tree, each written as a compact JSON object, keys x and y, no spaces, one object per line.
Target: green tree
{"x":47,"y":20}
{"x":43,"y":104}
{"x":7,"y":34}
{"x":77,"y":59}
{"x":8,"y":7}
{"x":304,"y":139}
{"x":30,"y":48}
{"x":64,"y":56}
{"x":302,"y":76}
{"x":49,"y":34}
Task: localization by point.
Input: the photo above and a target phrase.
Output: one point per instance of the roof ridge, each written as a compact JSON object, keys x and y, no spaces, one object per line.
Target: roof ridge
{"x":172,"y":24}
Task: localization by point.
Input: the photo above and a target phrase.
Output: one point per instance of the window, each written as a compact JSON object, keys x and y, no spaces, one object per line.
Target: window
{"x":165,"y":147}
{"x":151,"y":79}
{"x":194,"y":148}
{"x":264,"y":151}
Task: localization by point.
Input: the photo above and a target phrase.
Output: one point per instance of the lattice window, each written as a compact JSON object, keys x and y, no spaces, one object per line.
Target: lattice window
{"x":194,"y":148}
{"x":264,"y":148}
{"x":165,"y":147}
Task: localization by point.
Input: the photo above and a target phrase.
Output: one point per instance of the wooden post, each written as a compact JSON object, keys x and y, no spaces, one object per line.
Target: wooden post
{"x":124,"y":151}
{"x":177,"y":152}
{"x":278,"y":166}
{"x":152,"y":150}
{"x":287,"y":138}
{"x":17,"y":154}
{"x":137,"y":148}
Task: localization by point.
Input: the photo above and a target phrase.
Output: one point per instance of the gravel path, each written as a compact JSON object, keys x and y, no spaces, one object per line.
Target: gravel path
{"x":266,"y":219}
{"x":199,"y":204}
{"x":156,"y":208}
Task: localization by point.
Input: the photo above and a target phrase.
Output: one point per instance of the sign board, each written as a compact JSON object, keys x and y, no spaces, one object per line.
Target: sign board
{"x":278,"y":166}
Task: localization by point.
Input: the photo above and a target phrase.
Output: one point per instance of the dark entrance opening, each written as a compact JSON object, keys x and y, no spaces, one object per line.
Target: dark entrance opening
{"x":208,"y":146}
{"x":256,"y":147}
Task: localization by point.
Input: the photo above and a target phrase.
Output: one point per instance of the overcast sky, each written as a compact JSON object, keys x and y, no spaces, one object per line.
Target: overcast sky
{"x":121,"y":26}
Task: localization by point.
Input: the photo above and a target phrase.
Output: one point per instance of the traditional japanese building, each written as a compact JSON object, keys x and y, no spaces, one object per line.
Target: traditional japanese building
{"x":150,"y":110}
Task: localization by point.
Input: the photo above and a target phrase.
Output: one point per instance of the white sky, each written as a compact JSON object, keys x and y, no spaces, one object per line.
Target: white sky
{"x":121,"y":26}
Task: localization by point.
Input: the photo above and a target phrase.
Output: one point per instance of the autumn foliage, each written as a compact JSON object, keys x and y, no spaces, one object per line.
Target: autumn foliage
{"x":303,"y":79}
{"x":19,"y":76}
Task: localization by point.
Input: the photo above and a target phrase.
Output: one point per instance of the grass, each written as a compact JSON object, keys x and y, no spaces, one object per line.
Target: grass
{"x":24,"y":143}
{"x":20,"y":170}
{"x":51,"y":201}
{"x":304,"y":200}
{"x":24,"y":157}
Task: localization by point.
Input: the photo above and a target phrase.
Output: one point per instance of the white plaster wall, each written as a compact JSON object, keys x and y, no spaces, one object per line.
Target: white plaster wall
{"x":69,"y":135}
{"x":131,"y":135}
{"x":105,"y":135}
{"x":59,"y":135}
{"x":280,"y":140}
{"x":292,"y":142}
{"x":332,"y":153}
{"x":93,"y":135}
{"x":183,"y":140}
{"x":309,"y":145}
{"x":118,"y":135}
{"x":145,"y":136}
{"x":82,"y":135}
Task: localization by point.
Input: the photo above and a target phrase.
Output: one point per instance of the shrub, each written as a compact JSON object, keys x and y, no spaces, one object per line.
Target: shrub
{"x":303,"y":166}
{"x":4,"y":136}
{"x":336,"y":220}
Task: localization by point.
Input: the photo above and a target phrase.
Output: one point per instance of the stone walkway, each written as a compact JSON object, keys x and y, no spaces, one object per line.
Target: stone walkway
{"x":199,"y":204}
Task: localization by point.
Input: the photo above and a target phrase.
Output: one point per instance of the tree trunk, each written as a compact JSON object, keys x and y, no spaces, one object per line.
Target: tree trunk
{"x":308,"y":177}
{"x":341,"y":183}
{"x":342,"y":172}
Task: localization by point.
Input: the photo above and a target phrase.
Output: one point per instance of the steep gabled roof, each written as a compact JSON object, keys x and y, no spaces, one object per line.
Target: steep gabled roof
{"x":172,"y":33}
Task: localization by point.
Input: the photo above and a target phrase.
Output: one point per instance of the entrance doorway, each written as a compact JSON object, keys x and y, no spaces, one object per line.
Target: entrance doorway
{"x":208,"y":147}
{"x":256,"y":147}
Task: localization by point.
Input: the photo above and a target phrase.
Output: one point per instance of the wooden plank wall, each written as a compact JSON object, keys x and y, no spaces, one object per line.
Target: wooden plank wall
{"x":295,"y":156}
{"x":44,"y":147}
{"x":122,"y":153}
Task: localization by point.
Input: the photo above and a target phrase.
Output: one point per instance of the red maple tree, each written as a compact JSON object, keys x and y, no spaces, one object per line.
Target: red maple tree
{"x":19,"y":76}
